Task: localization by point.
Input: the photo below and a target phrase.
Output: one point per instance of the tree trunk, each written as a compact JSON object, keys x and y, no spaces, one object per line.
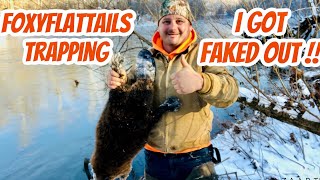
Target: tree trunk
{"x":300,"y":122}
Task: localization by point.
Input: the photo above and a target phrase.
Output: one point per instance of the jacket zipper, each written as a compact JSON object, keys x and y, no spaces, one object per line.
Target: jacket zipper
{"x":166,"y":65}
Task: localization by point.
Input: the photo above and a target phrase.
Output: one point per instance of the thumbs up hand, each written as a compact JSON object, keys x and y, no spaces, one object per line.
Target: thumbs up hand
{"x":186,"y":80}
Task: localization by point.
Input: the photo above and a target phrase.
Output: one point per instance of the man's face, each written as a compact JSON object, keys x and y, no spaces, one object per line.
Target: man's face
{"x":174,"y":30}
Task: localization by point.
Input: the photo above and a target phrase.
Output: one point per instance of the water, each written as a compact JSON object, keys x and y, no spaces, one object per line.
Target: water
{"x":47,"y":123}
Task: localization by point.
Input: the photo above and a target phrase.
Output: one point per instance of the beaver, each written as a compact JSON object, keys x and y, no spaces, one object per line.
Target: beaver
{"x":126,"y":122}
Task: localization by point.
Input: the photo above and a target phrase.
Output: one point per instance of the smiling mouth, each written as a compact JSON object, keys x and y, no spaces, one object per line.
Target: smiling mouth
{"x":173,"y":35}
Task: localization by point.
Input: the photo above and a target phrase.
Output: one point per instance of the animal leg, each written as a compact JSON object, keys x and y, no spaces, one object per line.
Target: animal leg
{"x":170,"y":104}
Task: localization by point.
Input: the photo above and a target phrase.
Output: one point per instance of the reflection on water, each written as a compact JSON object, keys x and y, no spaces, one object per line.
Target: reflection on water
{"x":46,"y":120}
{"x":47,"y":123}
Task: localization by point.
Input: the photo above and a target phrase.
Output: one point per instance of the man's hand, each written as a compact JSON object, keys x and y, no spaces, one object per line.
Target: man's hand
{"x":114,"y":79}
{"x":186,"y":80}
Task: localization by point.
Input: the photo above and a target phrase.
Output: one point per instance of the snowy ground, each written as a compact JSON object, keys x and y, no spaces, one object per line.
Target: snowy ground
{"x":256,"y":146}
{"x":264,"y":148}
{"x":268,"y":149}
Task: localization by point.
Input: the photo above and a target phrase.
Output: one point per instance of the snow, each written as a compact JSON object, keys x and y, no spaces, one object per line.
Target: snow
{"x":281,"y":100}
{"x":244,"y":92}
{"x":251,"y":94}
{"x":310,"y":105}
{"x":303,"y":87}
{"x":265,"y":150}
{"x":310,"y":74}
{"x":263,"y":147}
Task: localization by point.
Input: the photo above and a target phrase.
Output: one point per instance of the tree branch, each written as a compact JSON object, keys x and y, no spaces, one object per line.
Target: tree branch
{"x":300,"y":122}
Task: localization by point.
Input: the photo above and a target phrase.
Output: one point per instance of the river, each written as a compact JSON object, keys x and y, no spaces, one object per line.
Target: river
{"x":47,"y":121}
{"x":47,"y":124}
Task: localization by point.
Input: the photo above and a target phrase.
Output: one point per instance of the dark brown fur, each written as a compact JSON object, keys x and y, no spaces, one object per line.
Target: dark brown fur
{"x":123,"y":128}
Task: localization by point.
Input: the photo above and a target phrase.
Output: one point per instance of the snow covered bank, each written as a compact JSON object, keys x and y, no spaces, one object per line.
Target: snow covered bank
{"x":266,"y":148}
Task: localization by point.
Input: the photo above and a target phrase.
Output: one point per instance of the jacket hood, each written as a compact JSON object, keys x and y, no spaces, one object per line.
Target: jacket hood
{"x":157,"y":44}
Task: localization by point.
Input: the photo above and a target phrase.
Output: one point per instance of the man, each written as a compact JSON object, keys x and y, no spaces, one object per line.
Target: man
{"x":179,"y":146}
